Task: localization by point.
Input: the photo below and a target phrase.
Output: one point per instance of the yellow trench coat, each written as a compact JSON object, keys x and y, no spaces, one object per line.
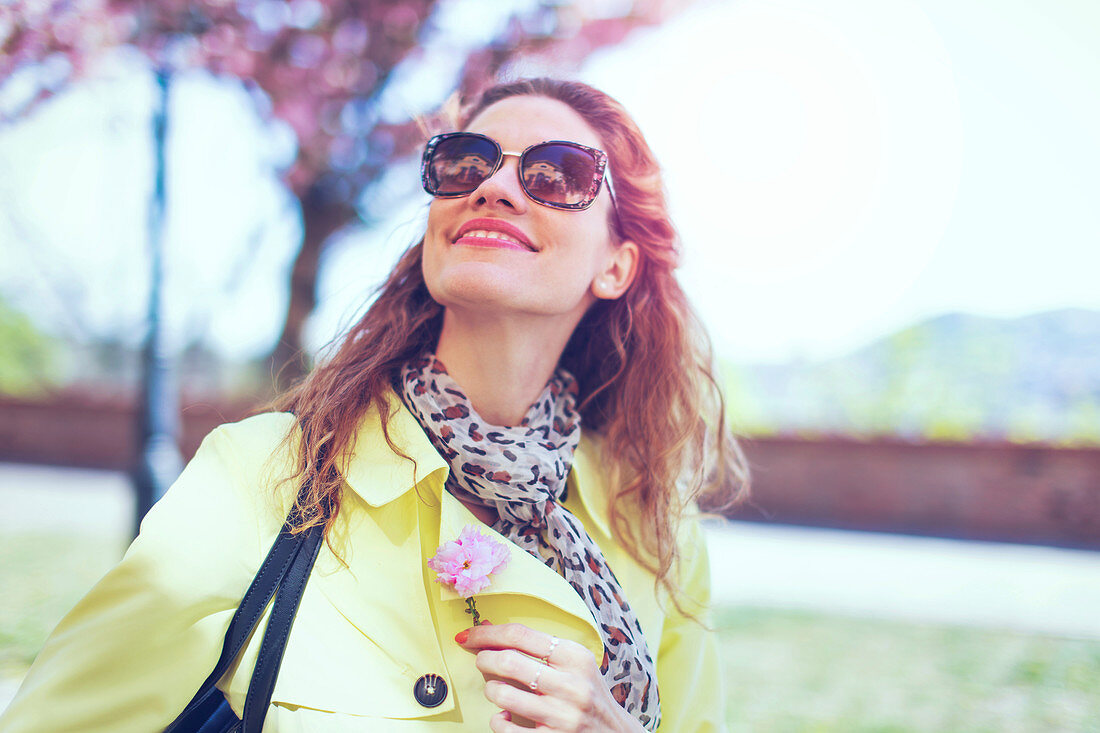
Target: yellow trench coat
{"x":131,"y":654}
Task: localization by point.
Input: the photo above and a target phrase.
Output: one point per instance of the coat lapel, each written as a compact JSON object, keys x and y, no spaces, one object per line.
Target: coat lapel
{"x":524,"y":575}
{"x":365,"y":586}
{"x":379,"y":475}
{"x":366,"y":619}
{"x":380,"y":478}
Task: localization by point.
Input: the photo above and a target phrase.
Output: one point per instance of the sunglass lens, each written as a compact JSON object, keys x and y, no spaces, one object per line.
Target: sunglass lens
{"x":558,"y":174}
{"x":459,"y":164}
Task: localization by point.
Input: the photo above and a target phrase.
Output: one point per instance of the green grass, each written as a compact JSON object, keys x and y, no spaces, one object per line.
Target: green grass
{"x":43,"y":575}
{"x":785,"y":671}
{"x":788,"y":671}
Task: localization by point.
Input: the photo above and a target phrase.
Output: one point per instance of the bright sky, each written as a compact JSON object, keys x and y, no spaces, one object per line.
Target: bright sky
{"x":841,"y":169}
{"x":837,"y":171}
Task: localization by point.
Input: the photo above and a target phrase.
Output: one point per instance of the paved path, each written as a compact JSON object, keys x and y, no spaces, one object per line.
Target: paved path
{"x":1019,"y":587}
{"x":68,"y":499}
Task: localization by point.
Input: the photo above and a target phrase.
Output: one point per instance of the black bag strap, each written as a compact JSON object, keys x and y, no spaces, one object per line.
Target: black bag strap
{"x":283,"y":575}
{"x":286,"y":605}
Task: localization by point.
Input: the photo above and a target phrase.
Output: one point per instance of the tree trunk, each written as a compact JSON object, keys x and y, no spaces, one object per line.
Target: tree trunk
{"x":320,"y":218}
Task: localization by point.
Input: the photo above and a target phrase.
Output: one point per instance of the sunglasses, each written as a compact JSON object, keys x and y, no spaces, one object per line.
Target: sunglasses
{"x":558,"y":174}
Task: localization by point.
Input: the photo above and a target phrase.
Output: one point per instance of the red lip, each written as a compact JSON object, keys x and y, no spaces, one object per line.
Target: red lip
{"x":496,"y":225}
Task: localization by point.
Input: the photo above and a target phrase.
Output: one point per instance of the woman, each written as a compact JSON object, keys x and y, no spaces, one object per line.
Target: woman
{"x":541,"y":297}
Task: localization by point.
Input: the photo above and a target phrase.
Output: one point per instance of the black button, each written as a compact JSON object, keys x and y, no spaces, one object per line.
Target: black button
{"x":430,"y":690}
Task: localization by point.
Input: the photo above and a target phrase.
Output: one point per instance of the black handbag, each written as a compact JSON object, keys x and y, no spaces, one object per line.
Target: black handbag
{"x":283,"y":575}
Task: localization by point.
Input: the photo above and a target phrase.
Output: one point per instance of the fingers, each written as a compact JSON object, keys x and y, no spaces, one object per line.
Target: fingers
{"x":558,"y":652}
{"x":526,"y":672}
{"x":502,"y":723}
{"x":523,"y":703}
{"x":559,"y":694}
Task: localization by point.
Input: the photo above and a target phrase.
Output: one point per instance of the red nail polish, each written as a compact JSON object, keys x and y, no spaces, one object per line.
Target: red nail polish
{"x":462,"y":636}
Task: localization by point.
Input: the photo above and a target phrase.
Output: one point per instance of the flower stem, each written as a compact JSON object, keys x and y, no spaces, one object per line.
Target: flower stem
{"x":471,"y":608}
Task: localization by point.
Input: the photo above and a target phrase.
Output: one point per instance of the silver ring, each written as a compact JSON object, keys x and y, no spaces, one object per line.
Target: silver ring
{"x":553,"y":645}
{"x":535,"y":682}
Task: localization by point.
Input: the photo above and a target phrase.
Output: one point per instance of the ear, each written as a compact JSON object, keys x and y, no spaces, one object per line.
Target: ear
{"x":622,"y":265}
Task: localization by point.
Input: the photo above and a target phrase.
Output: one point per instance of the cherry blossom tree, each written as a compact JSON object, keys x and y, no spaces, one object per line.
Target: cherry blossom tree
{"x":322,"y":66}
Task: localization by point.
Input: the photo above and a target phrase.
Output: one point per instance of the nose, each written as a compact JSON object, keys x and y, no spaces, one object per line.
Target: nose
{"x":502,"y":189}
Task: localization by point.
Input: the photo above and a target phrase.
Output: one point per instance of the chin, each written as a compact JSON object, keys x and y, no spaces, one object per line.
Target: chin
{"x":474,"y":283}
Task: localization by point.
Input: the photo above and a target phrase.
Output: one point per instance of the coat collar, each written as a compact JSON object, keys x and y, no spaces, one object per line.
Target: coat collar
{"x":379,"y":475}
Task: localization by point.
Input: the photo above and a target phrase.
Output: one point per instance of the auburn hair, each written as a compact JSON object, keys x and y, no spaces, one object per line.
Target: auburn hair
{"x":643,"y":363}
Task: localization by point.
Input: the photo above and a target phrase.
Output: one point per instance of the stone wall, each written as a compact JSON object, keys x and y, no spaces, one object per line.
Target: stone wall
{"x":992,"y":491}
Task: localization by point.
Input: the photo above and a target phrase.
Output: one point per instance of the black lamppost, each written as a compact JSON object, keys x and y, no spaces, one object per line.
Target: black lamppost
{"x":159,"y":461}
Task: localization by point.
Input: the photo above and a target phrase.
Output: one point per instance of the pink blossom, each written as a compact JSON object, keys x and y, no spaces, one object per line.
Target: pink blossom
{"x":467,"y":563}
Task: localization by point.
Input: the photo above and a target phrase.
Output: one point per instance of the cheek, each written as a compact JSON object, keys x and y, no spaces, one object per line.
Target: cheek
{"x":431,"y":266}
{"x":590,"y":243}
{"x":434,"y":238}
{"x":437,"y":216}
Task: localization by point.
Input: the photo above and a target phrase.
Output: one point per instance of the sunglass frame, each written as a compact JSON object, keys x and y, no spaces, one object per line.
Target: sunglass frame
{"x":599,"y":156}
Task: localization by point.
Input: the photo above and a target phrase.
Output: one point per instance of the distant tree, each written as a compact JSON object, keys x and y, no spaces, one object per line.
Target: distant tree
{"x":1083,"y":420}
{"x":27,"y":359}
{"x":319,"y":65}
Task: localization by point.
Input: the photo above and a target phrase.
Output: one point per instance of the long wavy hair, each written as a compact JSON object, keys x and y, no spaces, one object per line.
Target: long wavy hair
{"x":643,"y":363}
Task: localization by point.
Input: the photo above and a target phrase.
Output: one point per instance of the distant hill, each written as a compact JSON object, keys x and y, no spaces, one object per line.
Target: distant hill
{"x":953,"y":376}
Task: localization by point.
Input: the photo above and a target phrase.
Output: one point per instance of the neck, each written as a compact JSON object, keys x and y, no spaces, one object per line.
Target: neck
{"x":502,"y":365}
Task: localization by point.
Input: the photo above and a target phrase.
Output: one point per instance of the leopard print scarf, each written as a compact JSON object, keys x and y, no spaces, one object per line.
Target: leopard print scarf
{"x":521,"y":472}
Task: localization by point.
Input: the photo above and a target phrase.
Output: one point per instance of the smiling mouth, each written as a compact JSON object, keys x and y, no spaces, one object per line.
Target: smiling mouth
{"x":493,"y":232}
{"x":490,"y":238}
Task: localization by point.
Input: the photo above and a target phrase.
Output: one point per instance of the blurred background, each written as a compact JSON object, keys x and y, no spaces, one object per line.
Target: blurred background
{"x":890,"y":227}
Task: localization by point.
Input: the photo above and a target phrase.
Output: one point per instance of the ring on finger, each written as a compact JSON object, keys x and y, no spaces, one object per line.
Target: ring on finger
{"x":535,"y":682}
{"x":553,"y":645}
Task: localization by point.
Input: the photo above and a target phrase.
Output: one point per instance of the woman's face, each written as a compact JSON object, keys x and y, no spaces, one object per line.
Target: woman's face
{"x":566,"y":259}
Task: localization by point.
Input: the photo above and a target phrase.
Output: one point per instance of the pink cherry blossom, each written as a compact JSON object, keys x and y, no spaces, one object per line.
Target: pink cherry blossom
{"x":467,"y":563}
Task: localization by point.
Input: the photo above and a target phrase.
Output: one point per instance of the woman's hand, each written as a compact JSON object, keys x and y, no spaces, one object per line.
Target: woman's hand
{"x":563,"y":693}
